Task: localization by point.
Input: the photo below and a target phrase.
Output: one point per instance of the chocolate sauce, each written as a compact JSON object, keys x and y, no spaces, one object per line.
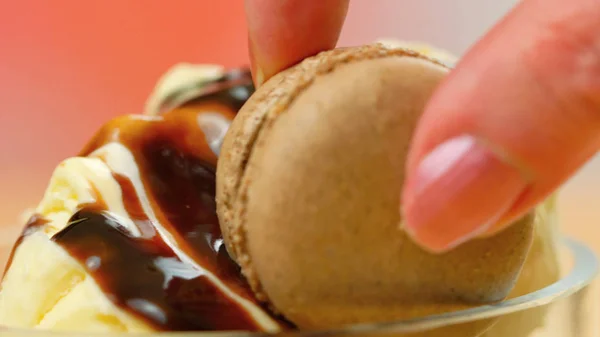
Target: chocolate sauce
{"x":142,"y":273}
{"x":233,"y":90}
{"x":144,"y":276}
{"x":233,"y":96}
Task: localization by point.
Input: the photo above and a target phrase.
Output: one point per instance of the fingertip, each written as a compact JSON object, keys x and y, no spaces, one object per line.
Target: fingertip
{"x":525,"y":94}
{"x":433,"y":244}
{"x":283,"y":32}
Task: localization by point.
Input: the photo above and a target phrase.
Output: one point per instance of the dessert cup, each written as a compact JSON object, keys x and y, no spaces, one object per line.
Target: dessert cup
{"x":567,"y":308}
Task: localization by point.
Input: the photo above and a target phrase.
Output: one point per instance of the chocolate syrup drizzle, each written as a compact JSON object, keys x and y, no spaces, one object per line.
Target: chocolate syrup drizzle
{"x":142,"y":274}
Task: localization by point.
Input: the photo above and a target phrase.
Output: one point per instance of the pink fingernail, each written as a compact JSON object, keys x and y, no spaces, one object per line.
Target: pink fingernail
{"x":459,"y":190}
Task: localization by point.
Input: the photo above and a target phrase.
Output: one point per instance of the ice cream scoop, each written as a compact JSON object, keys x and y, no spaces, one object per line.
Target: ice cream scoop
{"x":308,"y":197}
{"x":126,"y":238}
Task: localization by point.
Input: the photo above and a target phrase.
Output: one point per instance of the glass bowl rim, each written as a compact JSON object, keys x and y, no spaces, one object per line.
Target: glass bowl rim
{"x":585,"y":268}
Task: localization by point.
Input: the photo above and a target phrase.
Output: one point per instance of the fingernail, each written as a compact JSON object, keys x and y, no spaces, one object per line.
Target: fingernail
{"x":257,"y":73}
{"x":259,"y":77}
{"x":459,"y":189}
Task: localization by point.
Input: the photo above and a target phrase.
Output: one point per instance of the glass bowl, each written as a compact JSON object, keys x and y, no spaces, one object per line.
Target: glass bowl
{"x":567,"y":308}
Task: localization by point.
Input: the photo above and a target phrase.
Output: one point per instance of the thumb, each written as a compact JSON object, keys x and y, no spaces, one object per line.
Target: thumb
{"x":517,"y":117}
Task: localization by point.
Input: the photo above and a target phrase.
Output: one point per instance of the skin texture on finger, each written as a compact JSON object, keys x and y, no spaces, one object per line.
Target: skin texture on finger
{"x":283,"y":32}
{"x":528,"y":96}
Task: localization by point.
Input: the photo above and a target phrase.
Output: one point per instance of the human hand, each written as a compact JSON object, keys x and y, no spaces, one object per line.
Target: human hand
{"x":515,"y":119}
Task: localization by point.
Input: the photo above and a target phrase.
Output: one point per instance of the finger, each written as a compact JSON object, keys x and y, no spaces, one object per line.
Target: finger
{"x":283,"y":32}
{"x":517,"y":117}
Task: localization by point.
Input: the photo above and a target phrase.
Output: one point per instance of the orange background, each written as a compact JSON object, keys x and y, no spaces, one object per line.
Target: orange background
{"x":66,"y":66}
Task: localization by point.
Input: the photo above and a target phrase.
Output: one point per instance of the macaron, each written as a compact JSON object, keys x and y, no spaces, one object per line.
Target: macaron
{"x":308,"y":197}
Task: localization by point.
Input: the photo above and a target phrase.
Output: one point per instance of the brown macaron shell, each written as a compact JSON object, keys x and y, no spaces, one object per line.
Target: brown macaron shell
{"x":308,"y":193}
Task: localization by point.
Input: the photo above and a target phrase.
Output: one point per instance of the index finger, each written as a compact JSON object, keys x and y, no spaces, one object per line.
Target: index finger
{"x":283,"y":32}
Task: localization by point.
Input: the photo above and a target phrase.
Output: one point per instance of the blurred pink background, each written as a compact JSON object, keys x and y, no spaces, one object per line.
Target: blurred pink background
{"x":67,"y":66}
